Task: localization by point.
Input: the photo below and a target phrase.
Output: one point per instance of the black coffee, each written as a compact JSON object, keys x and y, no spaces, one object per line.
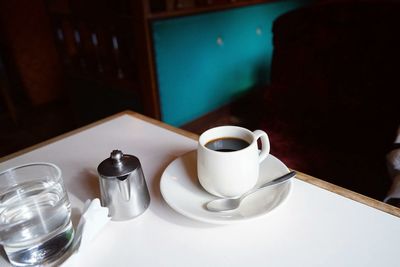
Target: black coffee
{"x":227,"y":144}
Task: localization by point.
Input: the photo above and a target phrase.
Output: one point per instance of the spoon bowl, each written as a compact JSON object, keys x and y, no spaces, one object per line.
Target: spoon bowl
{"x":229,"y":204}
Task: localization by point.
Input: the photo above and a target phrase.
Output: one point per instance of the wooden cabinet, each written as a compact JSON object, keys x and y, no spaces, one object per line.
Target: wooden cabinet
{"x":111,"y":42}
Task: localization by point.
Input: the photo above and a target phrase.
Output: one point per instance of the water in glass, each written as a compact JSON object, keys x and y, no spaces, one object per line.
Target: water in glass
{"x":35,"y":225}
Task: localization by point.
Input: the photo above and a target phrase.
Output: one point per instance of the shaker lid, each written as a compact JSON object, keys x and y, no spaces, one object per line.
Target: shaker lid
{"x":118,"y":164}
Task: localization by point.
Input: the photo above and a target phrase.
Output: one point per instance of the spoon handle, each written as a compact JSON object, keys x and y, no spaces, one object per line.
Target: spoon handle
{"x":278,"y":180}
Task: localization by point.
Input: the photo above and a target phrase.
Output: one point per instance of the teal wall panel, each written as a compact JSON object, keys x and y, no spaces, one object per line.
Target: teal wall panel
{"x":205,"y":61}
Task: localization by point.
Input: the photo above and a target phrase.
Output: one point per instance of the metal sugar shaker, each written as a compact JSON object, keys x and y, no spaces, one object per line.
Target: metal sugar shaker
{"x":123,"y":187}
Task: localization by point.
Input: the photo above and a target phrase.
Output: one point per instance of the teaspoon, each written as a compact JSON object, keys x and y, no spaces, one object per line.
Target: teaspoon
{"x":228,"y":204}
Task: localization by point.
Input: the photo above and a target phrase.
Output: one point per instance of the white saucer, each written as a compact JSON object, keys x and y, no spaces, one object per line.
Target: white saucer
{"x":182,"y":191}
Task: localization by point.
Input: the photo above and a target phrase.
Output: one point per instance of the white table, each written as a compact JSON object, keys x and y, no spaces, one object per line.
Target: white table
{"x":318,"y":225}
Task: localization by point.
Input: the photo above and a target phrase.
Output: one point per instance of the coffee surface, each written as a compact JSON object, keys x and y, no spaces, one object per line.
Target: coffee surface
{"x":227,"y":144}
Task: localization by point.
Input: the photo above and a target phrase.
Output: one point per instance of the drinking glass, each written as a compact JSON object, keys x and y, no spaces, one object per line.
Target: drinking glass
{"x":35,"y":214}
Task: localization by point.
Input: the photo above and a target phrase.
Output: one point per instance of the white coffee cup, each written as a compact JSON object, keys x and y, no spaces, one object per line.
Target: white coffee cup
{"x":230,"y":174}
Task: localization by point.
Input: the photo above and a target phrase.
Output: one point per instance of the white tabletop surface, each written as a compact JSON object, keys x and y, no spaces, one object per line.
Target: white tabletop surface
{"x":313,"y":227}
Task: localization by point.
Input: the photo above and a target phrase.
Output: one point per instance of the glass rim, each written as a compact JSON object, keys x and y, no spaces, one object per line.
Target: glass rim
{"x":48,"y":164}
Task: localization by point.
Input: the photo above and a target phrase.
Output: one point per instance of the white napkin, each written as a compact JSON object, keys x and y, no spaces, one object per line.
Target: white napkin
{"x":93,"y":219}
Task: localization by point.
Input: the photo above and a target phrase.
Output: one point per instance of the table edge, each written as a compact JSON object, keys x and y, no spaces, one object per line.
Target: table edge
{"x":374,"y":203}
{"x":301,"y":176}
{"x":93,"y":124}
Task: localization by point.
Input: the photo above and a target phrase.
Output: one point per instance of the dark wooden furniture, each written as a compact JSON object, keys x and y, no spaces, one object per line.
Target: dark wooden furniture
{"x":109,"y":43}
{"x":12,"y":95}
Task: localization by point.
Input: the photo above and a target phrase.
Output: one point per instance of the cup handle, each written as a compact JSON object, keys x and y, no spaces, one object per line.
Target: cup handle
{"x":265,"y":146}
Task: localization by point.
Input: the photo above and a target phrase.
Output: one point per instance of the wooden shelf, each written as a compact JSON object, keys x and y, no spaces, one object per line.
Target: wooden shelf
{"x":174,"y":11}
